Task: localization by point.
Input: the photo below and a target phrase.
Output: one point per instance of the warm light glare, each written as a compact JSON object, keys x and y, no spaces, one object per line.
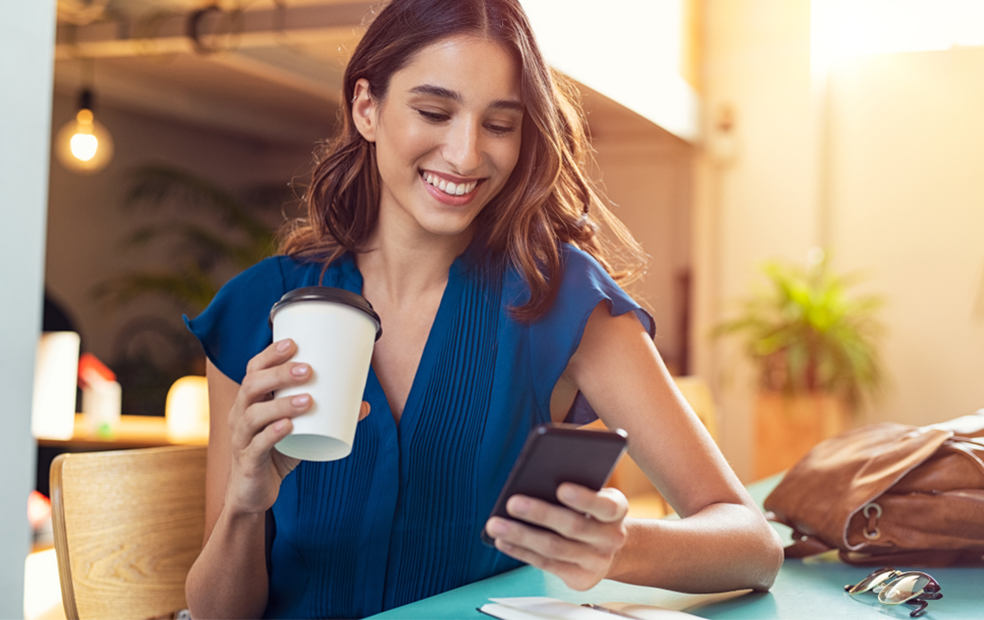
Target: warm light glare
{"x":186,"y":410}
{"x":84,"y":146}
{"x":56,"y":372}
{"x":845,"y":28}
{"x":633,"y":56}
{"x":41,"y":600}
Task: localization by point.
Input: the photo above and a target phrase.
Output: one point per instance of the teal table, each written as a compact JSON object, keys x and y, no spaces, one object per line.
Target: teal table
{"x":803,"y":590}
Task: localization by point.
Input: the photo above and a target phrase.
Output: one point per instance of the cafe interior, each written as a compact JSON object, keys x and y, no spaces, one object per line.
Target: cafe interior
{"x":736,"y":139}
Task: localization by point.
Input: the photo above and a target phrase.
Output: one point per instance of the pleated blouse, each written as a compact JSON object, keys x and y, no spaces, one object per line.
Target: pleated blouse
{"x":400,"y":518}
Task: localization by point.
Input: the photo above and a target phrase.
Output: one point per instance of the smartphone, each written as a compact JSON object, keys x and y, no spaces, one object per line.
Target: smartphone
{"x":557,"y":453}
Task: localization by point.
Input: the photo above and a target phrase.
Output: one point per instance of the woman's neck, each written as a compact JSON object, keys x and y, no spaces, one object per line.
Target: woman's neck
{"x":402,"y":266}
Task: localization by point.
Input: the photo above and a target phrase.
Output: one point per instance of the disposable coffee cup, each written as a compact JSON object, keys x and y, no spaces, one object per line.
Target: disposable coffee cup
{"x":335,"y":331}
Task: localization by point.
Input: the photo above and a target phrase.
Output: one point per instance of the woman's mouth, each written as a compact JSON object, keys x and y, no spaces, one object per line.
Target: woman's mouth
{"x":448,"y":187}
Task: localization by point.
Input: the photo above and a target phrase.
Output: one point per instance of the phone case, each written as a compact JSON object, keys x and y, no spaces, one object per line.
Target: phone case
{"x":557,"y":453}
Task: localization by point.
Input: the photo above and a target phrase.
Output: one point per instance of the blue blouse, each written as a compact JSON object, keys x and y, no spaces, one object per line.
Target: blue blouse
{"x":399,"y":519}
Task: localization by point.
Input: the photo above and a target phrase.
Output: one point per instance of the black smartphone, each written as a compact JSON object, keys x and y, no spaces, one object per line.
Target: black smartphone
{"x":557,"y":453}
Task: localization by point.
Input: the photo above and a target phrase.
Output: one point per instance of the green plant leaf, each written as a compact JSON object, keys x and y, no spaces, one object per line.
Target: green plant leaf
{"x":239,"y":238}
{"x":806,"y":334}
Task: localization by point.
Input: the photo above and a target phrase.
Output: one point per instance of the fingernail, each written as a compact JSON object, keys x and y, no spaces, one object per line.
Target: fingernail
{"x":520,"y":505}
{"x":300,"y":370}
{"x":283,"y":345}
{"x":301,"y":400}
{"x":497,"y":527}
{"x":567,"y":493}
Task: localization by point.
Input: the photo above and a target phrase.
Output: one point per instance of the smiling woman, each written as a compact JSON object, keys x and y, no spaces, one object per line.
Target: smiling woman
{"x":455,"y":200}
{"x":438,"y":133}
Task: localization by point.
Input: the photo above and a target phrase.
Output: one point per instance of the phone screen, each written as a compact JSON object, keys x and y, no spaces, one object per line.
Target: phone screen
{"x":557,"y":453}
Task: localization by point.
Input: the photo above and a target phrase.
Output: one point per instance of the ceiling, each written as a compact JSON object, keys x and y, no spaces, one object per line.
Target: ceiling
{"x":266,"y":69}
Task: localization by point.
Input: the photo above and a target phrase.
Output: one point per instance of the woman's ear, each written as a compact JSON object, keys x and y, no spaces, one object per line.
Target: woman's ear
{"x":364,"y":110}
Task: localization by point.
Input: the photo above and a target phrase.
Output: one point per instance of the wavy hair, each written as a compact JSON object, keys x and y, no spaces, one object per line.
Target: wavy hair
{"x":547,"y":200}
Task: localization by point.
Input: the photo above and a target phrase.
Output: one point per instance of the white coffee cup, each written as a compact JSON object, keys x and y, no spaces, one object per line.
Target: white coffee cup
{"x":335,"y":331}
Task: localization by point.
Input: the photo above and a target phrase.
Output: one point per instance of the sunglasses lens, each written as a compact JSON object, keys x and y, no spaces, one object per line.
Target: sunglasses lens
{"x":903,"y":589}
{"x":873,"y":581}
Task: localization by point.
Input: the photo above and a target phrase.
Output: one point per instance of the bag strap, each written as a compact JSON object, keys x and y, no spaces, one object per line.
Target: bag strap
{"x":929,"y":558}
{"x":803,"y":545}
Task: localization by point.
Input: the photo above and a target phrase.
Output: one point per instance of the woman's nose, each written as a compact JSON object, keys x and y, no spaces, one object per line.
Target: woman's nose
{"x":463,"y":149}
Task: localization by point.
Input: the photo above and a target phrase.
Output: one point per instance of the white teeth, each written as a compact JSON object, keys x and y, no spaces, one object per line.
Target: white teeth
{"x":452,"y":189}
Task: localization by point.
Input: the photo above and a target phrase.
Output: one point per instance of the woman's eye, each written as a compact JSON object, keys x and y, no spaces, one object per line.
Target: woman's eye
{"x":434,"y":117}
{"x":500,"y":130}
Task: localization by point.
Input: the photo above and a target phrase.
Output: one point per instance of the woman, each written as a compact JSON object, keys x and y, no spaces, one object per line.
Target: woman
{"x":455,"y":201}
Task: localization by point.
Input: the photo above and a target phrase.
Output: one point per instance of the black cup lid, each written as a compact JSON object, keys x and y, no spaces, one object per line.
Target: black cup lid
{"x":331,"y":294}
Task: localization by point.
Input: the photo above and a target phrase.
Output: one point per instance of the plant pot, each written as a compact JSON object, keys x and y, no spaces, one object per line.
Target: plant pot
{"x":787,"y":427}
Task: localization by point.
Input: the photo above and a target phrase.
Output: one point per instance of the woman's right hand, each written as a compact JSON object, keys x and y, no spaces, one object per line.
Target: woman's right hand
{"x":257,"y":421}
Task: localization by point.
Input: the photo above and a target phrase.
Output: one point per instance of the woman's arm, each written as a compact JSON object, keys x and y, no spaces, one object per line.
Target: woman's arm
{"x":243,"y":475}
{"x":721,"y":542}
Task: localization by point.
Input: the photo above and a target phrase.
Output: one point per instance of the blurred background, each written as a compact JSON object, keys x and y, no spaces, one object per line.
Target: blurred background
{"x":727,"y":133}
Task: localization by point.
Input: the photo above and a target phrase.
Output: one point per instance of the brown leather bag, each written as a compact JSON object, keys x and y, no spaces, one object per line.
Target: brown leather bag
{"x":889,"y":494}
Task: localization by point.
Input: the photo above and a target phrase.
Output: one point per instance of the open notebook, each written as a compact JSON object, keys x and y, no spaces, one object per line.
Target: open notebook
{"x":544,"y":608}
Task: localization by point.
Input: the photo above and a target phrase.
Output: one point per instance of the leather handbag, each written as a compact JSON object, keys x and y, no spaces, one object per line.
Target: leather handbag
{"x":889,"y":494}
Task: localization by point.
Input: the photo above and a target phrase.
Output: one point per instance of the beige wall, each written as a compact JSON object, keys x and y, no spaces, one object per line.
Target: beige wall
{"x":880,"y":162}
{"x":756,"y":192}
{"x":907,"y":207}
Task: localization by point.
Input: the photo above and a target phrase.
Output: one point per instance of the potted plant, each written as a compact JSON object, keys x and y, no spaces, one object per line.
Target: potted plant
{"x":816,"y":352}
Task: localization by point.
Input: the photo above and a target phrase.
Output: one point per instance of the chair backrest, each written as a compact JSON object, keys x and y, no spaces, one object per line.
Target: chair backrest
{"x":128,"y":525}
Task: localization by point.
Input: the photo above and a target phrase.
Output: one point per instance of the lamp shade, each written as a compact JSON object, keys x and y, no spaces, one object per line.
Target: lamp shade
{"x":186,"y":410}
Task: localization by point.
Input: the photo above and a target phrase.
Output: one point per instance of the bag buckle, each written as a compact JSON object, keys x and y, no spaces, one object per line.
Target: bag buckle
{"x":871,"y":531}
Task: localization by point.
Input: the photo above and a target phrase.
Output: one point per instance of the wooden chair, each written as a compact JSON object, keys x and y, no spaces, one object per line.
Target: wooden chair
{"x":128,"y":524}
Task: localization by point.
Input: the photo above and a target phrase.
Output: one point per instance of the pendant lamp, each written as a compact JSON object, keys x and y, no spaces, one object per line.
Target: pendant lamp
{"x":83,"y":144}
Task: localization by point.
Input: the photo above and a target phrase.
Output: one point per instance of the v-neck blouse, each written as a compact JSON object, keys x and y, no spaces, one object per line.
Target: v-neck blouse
{"x":400,"y":518}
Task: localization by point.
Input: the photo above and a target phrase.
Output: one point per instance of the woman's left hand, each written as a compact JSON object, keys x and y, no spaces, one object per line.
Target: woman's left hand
{"x":584,"y":538}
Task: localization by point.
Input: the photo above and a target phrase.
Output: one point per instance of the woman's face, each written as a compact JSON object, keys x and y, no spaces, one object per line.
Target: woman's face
{"x":447,"y":134}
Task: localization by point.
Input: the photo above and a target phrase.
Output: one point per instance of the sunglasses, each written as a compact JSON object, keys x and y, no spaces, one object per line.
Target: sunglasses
{"x":895,"y":587}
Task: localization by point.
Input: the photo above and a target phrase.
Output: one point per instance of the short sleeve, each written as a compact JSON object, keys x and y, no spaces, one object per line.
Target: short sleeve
{"x":235,"y":327}
{"x":556,"y":335}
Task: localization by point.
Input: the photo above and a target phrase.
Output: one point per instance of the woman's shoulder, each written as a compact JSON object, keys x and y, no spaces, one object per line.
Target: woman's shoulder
{"x":278,"y":271}
{"x":584,"y":284}
{"x":576,"y":265}
{"x":235,"y":325}
{"x":583,"y":275}
{"x":577,"y":261}
{"x":282,"y":273}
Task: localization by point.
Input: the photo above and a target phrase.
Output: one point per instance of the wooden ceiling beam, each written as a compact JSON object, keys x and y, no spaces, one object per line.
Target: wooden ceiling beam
{"x":209,"y":30}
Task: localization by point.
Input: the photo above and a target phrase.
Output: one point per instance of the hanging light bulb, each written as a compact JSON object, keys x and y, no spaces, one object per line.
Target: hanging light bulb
{"x":83,"y":144}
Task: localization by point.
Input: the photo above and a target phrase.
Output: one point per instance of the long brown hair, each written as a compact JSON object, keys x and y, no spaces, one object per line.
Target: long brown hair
{"x":547,"y":200}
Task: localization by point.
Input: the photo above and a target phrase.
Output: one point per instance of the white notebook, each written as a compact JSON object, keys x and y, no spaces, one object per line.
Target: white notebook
{"x":545,"y":608}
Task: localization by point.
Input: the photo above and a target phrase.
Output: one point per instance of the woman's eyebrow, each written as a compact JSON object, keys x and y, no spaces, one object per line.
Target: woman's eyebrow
{"x":436,"y":91}
{"x":445,"y":93}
